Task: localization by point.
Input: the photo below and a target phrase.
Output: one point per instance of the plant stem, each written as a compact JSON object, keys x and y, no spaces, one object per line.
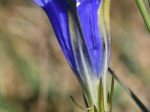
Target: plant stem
{"x":144,"y":13}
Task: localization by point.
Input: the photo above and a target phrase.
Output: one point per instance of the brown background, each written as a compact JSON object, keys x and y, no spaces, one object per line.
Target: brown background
{"x":34,"y":75}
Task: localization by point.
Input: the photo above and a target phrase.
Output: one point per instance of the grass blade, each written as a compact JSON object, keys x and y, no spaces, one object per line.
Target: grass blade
{"x":111,"y":95}
{"x":129,"y":91}
{"x":80,"y":107}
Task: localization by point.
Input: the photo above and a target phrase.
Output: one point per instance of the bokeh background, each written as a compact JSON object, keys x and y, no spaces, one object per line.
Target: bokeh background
{"x":35,"y":76}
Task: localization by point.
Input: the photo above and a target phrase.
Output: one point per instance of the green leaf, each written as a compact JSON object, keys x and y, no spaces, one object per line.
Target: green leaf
{"x":91,"y":109}
{"x":144,"y":13}
{"x":101,"y":97}
{"x":110,"y":102}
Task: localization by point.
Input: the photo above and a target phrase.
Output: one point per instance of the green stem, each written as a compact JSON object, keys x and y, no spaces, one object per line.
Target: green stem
{"x":144,"y":13}
{"x":104,"y":93}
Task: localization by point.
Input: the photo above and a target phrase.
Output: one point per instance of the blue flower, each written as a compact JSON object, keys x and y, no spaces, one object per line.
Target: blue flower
{"x":82,"y":30}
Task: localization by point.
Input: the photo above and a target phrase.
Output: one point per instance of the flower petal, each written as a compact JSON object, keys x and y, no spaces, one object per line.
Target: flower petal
{"x":88,"y":14}
{"x":41,"y":2}
{"x":57,"y":11}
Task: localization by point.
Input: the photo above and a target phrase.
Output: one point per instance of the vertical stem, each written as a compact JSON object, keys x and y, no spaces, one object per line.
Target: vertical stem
{"x":111,"y":95}
{"x":104,"y":93}
{"x":102,"y":97}
{"x":144,"y":13}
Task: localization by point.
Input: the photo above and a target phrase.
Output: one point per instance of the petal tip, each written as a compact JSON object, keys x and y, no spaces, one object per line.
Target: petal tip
{"x":41,"y":3}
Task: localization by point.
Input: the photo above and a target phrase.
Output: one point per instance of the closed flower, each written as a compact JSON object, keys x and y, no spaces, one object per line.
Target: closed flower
{"x":83,"y":32}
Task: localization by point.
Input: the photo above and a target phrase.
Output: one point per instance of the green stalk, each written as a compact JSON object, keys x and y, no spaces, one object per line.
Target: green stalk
{"x":144,"y":13}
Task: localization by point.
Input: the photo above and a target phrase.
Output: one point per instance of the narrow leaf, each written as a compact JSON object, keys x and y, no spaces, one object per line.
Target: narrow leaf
{"x":111,"y":95}
{"x":108,"y":97}
{"x":80,"y":107}
{"x":129,"y":91}
{"x":95,"y":109}
{"x":101,"y":99}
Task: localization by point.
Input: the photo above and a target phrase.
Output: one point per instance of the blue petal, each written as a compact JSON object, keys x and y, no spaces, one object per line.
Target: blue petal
{"x":41,"y":2}
{"x":88,"y":14}
{"x":57,"y":11}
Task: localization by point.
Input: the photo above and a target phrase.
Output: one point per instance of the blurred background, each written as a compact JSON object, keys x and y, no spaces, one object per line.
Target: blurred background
{"x":35,"y":76}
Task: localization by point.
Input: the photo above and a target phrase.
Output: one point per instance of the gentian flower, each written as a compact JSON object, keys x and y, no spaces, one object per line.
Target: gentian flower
{"x":83,"y":32}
